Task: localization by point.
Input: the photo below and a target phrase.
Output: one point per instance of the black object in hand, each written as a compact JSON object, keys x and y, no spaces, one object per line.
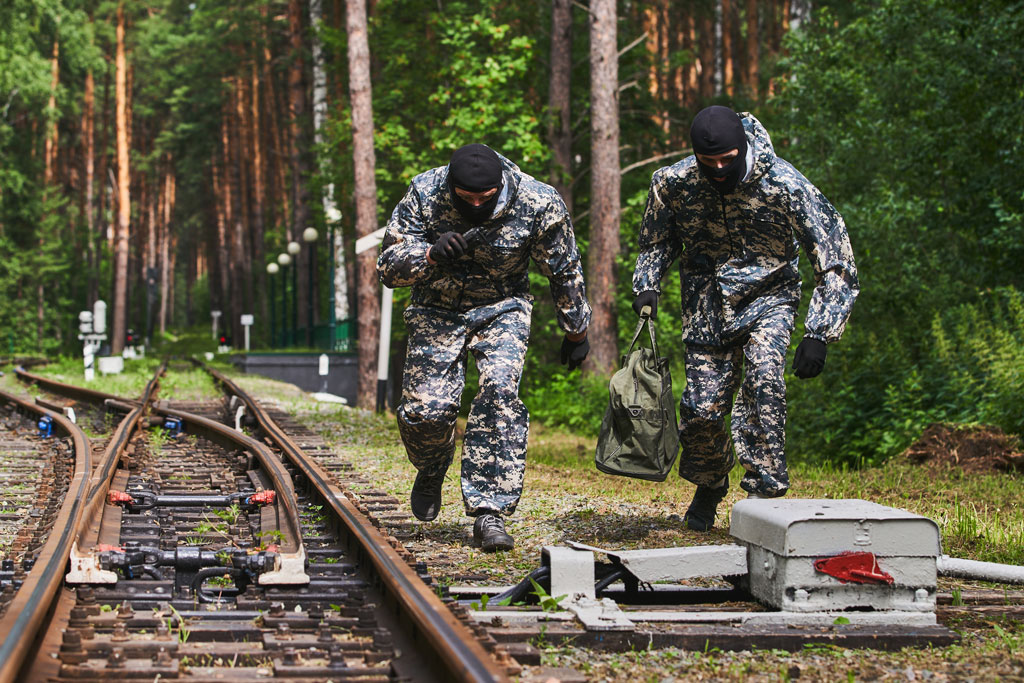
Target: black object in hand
{"x":648,"y":298}
{"x":574,"y":352}
{"x":809,"y":360}
{"x":449,"y":246}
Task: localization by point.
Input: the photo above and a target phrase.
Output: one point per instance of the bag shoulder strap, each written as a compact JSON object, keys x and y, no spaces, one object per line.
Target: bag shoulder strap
{"x":644,"y":320}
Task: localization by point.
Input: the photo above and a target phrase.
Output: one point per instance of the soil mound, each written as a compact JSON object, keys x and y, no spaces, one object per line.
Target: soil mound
{"x":981,"y":449}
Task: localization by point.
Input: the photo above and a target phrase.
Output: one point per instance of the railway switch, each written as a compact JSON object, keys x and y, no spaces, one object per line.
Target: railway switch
{"x":808,"y":559}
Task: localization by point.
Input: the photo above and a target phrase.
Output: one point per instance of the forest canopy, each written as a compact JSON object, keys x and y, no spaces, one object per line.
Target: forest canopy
{"x":180,"y":145}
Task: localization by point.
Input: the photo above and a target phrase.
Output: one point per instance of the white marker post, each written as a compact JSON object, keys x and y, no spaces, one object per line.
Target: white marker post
{"x":386,"y":297}
{"x":216,"y":317}
{"x":325,"y":366}
{"x":246,"y":323}
{"x":93,"y":327}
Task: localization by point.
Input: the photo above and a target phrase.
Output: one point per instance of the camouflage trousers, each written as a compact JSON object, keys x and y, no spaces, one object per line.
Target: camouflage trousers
{"x":713,"y":375}
{"x":494,"y":446}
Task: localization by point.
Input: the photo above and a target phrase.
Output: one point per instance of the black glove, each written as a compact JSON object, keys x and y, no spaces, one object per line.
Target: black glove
{"x":648,"y":298}
{"x":574,"y":352}
{"x":809,"y":360}
{"x":449,"y":246}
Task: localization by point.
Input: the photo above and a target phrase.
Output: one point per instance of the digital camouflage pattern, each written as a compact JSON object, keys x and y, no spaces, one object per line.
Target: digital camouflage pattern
{"x":479,"y":304}
{"x":738,"y":260}
{"x":531,"y":222}
{"x":494,"y":447}
{"x":742,"y":250}
{"x":713,"y":375}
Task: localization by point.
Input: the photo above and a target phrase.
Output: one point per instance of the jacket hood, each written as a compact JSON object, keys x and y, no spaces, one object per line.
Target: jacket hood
{"x":761,"y":144}
{"x":511,"y":175}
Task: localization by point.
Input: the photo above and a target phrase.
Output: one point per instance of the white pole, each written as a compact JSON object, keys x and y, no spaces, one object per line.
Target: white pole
{"x":90,"y":372}
{"x":246,"y":337}
{"x":384,"y":351}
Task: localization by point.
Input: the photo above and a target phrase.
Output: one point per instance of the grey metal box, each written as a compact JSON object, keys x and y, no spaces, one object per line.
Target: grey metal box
{"x":784,"y":537}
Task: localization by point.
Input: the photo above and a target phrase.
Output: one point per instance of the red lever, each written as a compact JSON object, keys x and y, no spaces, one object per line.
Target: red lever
{"x":262,"y":498}
{"x":851,"y":567}
{"x":103,"y":548}
{"x":119,"y":498}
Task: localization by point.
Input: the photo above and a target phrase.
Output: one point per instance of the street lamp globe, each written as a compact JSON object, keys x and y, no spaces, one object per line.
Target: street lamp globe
{"x":272,"y":268}
{"x":294,"y":248}
{"x":309,"y":235}
{"x":284,"y":259}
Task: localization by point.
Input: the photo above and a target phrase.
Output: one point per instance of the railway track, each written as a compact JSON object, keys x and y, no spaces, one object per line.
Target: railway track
{"x":205,"y":552}
{"x":190,"y":569}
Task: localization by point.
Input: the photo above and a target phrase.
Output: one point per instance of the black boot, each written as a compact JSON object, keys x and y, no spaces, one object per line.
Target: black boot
{"x":425,"y":499}
{"x":489,"y":533}
{"x":700,"y":516}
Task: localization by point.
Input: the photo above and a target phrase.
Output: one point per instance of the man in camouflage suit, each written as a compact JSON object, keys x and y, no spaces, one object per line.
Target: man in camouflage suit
{"x":462,"y":238}
{"x":735,"y":215}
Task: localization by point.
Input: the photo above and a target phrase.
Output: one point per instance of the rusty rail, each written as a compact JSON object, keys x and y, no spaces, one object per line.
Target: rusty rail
{"x":27,"y":612}
{"x":292,"y":556}
{"x":456,"y":647}
{"x":82,"y":561}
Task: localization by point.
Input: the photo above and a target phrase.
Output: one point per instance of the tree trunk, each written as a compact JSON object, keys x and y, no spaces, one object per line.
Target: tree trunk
{"x":221,"y":300}
{"x":49,"y":164}
{"x":707,"y":54}
{"x":604,"y":190}
{"x":365,"y":192}
{"x":50,"y":155}
{"x":331,"y":213}
{"x":121,"y":232}
{"x":89,"y":152}
{"x":259,"y":186}
{"x":692,"y":86}
{"x":799,"y":12}
{"x":559,"y":126}
{"x":241,"y":259}
{"x":165,"y":239}
{"x":279,"y":195}
{"x":103,"y":199}
{"x":725,"y":21}
{"x":753,"y":59}
{"x":299,"y":156}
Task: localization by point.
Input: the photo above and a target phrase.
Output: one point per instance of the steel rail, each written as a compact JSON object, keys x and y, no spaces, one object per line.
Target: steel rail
{"x":69,"y":390}
{"x":292,"y":555}
{"x":291,"y":545}
{"x":84,"y":568}
{"x":28,"y":610}
{"x":456,"y":646}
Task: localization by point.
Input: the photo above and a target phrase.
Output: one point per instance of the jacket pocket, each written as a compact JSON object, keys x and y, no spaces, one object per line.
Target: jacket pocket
{"x":702,"y":309}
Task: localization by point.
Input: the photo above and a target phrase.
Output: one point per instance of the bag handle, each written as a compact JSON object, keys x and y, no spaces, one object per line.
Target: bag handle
{"x":645,"y":319}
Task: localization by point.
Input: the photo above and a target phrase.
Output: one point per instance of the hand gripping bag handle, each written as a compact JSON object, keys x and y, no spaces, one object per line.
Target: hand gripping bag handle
{"x":645,"y":319}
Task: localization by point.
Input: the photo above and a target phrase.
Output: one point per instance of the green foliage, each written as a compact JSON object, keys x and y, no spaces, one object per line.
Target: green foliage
{"x":455,"y":75}
{"x":570,"y":400}
{"x":965,"y":368}
{"x":908,"y":117}
{"x":547,"y":602}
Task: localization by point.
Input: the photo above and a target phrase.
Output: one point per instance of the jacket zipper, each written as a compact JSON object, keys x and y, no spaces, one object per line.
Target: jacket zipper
{"x":725,"y":221}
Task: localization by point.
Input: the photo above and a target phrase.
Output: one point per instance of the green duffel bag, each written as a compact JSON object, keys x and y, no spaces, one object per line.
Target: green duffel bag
{"x":639,"y":434}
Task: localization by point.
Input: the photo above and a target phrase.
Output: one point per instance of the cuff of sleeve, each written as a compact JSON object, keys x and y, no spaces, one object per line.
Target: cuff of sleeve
{"x":819,"y":337}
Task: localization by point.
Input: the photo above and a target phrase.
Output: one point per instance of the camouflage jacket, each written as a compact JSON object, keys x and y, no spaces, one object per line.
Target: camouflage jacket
{"x":530,"y":222}
{"x":738,"y":253}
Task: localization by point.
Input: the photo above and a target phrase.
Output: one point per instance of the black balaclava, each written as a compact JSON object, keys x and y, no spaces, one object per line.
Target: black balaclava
{"x":716,"y":130}
{"x":474,"y":168}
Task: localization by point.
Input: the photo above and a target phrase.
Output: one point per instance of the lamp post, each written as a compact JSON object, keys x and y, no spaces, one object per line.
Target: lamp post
{"x":284,"y":259}
{"x":293,"y":250}
{"x":272,"y":270}
{"x":333,"y":216}
{"x":309,"y":236}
